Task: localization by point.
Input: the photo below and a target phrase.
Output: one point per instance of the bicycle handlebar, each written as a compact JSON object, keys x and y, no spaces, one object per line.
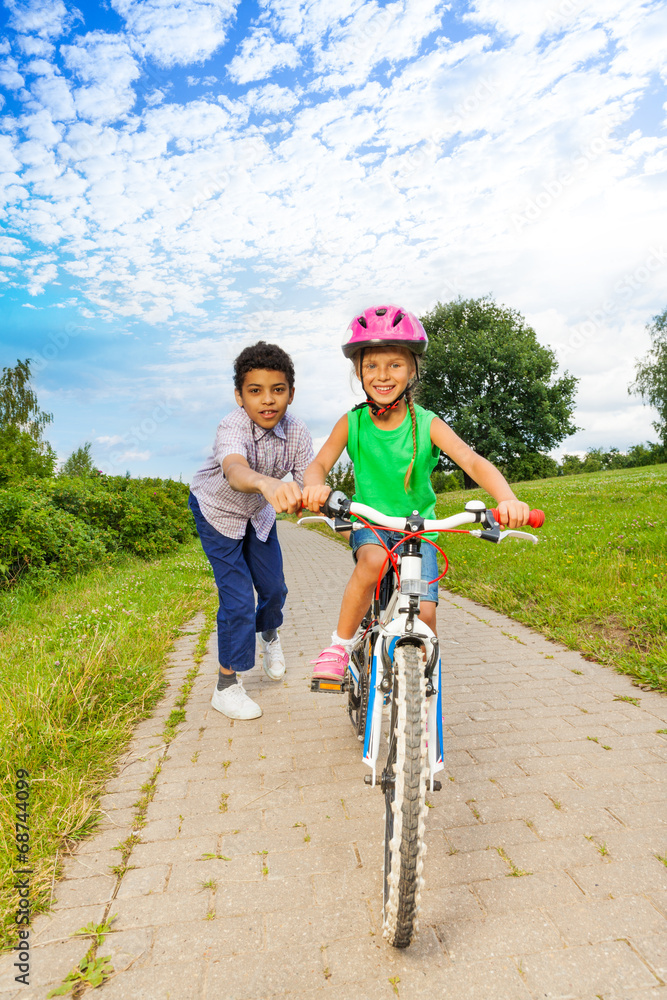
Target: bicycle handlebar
{"x":338,"y":505}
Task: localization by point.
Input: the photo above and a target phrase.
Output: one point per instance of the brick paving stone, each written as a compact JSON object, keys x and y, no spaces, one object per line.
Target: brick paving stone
{"x":318,"y":925}
{"x":128,"y":948}
{"x":492,"y":978}
{"x":263,"y":895}
{"x":615,"y":877}
{"x":449,"y":869}
{"x":449,"y":905}
{"x":59,"y":925}
{"x":84,"y":891}
{"x":198,"y":940}
{"x":517,"y":934}
{"x":553,"y":854}
{"x":588,"y":969}
{"x":507,"y":895}
{"x":158,"y":982}
{"x":653,"y":949}
{"x":471,"y":838}
{"x":143,"y":880}
{"x":157,"y":909}
{"x":596,"y":920}
{"x":286,"y":972}
{"x":49,"y":963}
{"x":516,"y":726}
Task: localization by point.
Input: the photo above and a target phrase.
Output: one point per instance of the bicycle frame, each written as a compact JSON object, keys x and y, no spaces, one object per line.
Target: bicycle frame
{"x":400,"y":621}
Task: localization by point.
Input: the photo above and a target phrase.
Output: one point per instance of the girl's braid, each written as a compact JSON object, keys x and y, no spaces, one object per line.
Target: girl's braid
{"x":411,"y":407}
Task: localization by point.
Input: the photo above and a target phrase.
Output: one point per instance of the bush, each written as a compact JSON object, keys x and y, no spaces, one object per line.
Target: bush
{"x":532,"y":465}
{"x":597,"y":460}
{"x":57,"y":527}
{"x":446,"y":482}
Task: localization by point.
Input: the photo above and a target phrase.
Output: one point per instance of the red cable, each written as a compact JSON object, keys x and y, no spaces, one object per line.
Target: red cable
{"x":412,"y":534}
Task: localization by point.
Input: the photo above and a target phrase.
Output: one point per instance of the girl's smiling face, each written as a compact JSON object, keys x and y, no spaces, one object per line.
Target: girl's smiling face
{"x":386,"y":372}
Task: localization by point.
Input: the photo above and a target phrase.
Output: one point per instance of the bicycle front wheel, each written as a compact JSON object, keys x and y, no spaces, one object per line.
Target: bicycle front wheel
{"x":405,"y":799}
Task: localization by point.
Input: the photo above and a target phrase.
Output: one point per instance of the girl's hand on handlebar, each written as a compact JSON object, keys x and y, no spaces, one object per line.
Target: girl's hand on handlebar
{"x":314,"y":496}
{"x":513,"y":513}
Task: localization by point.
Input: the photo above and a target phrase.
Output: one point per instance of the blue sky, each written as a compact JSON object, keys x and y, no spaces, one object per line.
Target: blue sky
{"x":178,"y":180}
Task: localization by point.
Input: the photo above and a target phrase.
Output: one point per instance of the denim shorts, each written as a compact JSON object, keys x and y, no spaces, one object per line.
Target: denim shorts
{"x":364,"y":536}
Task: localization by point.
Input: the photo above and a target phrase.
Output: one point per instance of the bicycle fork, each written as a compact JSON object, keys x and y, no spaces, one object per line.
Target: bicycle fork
{"x":381,"y":680}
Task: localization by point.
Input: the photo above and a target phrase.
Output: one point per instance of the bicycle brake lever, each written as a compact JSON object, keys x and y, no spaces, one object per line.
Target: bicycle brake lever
{"x":493,"y":536}
{"x":335,"y":523}
{"x":522,"y":535}
{"x":318,"y":517}
{"x":497,"y":536}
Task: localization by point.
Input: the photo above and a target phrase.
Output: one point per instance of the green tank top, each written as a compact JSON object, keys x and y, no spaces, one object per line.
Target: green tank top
{"x":381,"y":459}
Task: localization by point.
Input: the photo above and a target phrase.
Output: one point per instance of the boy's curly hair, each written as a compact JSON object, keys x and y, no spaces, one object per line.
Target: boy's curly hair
{"x":268,"y":357}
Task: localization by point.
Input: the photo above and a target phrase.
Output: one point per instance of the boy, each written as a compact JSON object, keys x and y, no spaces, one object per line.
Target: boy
{"x":234,"y":498}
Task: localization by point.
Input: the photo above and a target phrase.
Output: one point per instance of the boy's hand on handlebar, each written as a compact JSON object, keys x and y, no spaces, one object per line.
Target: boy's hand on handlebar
{"x":285,"y":498}
{"x":314,"y":496}
{"x":513,"y":513}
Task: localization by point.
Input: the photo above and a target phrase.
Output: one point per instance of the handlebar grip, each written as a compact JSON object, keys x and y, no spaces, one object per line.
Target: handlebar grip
{"x":535,"y":519}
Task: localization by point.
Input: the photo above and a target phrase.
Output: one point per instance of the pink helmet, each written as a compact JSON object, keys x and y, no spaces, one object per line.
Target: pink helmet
{"x":385,"y":326}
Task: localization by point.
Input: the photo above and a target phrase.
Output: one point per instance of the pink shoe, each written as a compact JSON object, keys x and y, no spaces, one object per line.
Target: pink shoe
{"x":330,"y":664}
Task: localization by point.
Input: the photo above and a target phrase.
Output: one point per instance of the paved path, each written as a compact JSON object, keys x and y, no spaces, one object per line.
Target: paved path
{"x":541,"y":873}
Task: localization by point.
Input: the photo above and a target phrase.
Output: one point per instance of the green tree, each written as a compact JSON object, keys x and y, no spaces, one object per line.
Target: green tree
{"x":341,"y":478}
{"x":23,"y":451}
{"x":80,"y":463}
{"x":490,"y":379}
{"x":651,"y":374}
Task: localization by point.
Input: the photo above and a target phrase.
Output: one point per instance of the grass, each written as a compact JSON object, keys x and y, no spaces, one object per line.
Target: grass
{"x":595,"y":582}
{"x":79,"y":668}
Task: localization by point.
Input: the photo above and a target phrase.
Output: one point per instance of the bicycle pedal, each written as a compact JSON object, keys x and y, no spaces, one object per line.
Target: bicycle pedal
{"x":321,"y":684}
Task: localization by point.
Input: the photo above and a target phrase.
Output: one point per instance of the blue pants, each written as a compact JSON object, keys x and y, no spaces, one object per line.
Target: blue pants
{"x":239,"y":564}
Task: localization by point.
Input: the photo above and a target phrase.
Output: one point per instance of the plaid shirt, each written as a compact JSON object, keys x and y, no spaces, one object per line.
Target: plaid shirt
{"x":288,"y":447}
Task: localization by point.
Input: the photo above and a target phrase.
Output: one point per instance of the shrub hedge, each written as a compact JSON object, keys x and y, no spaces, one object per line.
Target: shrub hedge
{"x":55,"y":527}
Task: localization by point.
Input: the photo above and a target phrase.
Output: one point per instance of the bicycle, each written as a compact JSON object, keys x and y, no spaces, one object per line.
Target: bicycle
{"x":396,"y":663}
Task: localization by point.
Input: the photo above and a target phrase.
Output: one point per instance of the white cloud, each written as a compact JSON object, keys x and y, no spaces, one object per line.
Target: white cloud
{"x":46,"y":18}
{"x":131,"y":456}
{"x":375,"y":34}
{"x":107,"y":67}
{"x":40,"y":277}
{"x":9,"y":75}
{"x":10,"y":245}
{"x":177,"y":32}
{"x":260,"y":54}
{"x":271,"y":99}
{"x":33,"y":46}
{"x":110,"y":440}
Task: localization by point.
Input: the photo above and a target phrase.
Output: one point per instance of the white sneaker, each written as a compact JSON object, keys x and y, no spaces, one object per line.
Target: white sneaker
{"x":235,"y":703}
{"x":274,"y":658}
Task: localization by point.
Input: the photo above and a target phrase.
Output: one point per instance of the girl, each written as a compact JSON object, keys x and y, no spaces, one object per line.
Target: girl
{"x":394,"y":446}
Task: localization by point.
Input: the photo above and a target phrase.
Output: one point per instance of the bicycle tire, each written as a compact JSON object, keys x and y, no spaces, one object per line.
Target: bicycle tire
{"x":405,"y":799}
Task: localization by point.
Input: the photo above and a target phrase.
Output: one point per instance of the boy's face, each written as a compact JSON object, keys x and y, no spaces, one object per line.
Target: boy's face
{"x":265,"y":396}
